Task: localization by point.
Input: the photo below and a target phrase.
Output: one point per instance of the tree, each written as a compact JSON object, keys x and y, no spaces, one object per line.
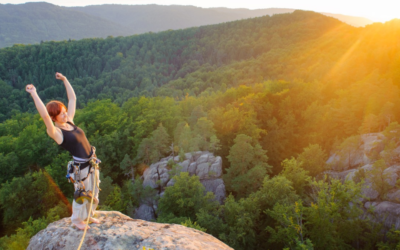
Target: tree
{"x":313,"y":159}
{"x":144,"y":151}
{"x":370,"y":124}
{"x":31,"y":195}
{"x":185,"y":198}
{"x":290,"y":229}
{"x":334,"y":218}
{"x":293,"y":171}
{"x":379,"y":178}
{"x":204,"y":129}
{"x":115,"y":200}
{"x":187,"y":141}
{"x":161,"y":142}
{"x":387,"y":112}
{"x":127,"y":166}
{"x":248,"y":166}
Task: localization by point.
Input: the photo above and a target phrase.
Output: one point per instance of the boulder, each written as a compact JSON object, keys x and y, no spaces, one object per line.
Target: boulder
{"x":393,"y":173}
{"x":202,"y":170}
{"x":118,"y":231}
{"x":150,"y":177}
{"x":171,"y":182}
{"x":216,"y":168}
{"x":394,"y":196}
{"x":202,"y":159}
{"x":216,"y":186}
{"x":385,"y":212}
{"x":192,"y":168}
{"x":189,"y":156}
{"x":202,"y":164}
{"x":184,"y":165}
{"x":339,"y":175}
{"x":373,"y":144}
{"x":145,"y":212}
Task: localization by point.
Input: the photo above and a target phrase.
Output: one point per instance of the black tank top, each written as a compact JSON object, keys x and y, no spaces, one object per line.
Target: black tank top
{"x":76,"y":143}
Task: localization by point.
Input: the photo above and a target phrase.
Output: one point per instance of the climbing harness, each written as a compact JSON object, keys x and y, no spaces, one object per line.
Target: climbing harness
{"x":81,"y":194}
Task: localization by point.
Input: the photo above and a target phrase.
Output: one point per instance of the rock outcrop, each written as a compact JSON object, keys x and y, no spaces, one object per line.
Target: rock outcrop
{"x":202,"y":164}
{"x":118,"y":231}
{"x":372,"y":146}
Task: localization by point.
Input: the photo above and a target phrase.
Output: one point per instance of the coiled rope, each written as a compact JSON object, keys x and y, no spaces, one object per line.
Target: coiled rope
{"x":90,"y":209}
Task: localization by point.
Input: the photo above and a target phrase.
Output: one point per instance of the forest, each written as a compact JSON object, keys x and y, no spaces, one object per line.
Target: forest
{"x":273,"y":96}
{"x":33,"y":22}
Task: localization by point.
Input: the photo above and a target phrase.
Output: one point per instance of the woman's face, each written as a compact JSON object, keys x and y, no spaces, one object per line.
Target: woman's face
{"x":62,"y":117}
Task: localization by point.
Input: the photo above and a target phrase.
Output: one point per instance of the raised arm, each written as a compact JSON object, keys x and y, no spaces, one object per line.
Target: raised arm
{"x":51,"y":129}
{"x":70,"y":94}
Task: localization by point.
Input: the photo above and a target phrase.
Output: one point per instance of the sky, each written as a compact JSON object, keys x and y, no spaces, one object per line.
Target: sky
{"x":378,"y":11}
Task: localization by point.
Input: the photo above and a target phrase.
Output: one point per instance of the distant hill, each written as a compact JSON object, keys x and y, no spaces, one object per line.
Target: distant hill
{"x":34,"y":22}
{"x":144,"y":18}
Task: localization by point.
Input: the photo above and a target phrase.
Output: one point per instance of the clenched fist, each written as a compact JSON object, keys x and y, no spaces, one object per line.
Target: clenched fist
{"x":30,"y":88}
{"x":60,"y":76}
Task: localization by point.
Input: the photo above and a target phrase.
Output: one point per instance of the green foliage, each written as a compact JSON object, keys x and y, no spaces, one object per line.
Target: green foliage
{"x":231,"y":90}
{"x":293,"y":171}
{"x":29,"y":196}
{"x":154,"y":148}
{"x":389,"y":155}
{"x":334,"y":217}
{"x":240,"y":218}
{"x":133,"y":194}
{"x":248,"y":166}
{"x":106,"y":188}
{"x":20,"y":240}
{"x":379,"y":178}
{"x":359,"y":175}
{"x":393,"y":240}
{"x":313,"y":159}
{"x":189,"y":223}
{"x":115,"y":200}
{"x":185,"y":198}
{"x":290,"y":229}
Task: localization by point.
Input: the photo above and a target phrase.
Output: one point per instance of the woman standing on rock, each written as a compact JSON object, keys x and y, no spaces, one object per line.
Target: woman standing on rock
{"x":73,"y":139}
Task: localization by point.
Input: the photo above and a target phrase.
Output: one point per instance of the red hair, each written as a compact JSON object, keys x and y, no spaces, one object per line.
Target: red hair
{"x":54,"y":108}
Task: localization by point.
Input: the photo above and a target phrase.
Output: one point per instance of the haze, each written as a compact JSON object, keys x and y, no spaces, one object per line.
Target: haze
{"x":381,"y":11}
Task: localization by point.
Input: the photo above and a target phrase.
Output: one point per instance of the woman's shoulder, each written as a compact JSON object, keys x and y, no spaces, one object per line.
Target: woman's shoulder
{"x":71,"y":123}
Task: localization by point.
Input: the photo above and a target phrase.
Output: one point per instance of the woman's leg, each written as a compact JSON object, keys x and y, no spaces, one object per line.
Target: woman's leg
{"x":80,"y":211}
{"x":93,"y":180}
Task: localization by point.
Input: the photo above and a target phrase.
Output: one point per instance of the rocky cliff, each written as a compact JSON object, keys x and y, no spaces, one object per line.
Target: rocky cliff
{"x":202,"y":163}
{"x":118,"y":231}
{"x":386,"y":209}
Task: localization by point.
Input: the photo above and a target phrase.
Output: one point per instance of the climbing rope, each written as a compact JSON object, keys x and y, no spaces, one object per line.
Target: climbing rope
{"x":90,"y":209}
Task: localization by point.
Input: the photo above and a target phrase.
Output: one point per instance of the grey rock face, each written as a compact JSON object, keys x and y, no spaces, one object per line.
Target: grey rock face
{"x":118,"y":231}
{"x":372,"y":144}
{"x":202,"y":164}
{"x":386,"y":212}
{"x":184,"y":165}
{"x":145,"y":212}
{"x":394,"y":196}
{"x":202,"y":170}
{"x":192,"y":168}
{"x":216,"y":186}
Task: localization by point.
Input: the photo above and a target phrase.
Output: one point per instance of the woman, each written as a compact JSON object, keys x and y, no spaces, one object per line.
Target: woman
{"x":73,"y":139}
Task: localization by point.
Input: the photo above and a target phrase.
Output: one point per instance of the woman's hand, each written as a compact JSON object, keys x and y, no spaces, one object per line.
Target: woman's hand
{"x":60,"y":76}
{"x":30,"y":89}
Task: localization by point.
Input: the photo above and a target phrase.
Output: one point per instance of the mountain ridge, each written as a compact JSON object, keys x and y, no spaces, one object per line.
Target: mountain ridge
{"x":32,"y":23}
